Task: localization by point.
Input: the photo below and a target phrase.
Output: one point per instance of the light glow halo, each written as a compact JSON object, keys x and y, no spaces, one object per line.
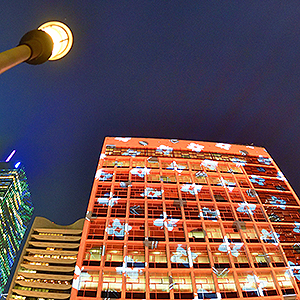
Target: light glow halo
{"x":61,"y":36}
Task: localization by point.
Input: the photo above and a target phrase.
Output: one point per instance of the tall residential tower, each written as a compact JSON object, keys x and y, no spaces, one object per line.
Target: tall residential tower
{"x":15,"y":213}
{"x":170,"y":219}
{"x":47,"y":263}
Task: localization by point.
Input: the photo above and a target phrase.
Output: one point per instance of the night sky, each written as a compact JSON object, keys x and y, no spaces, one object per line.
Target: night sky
{"x":222,"y":71}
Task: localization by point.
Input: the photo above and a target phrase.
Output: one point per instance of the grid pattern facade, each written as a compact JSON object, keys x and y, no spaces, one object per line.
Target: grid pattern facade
{"x":171,"y":219}
{"x":15,"y":213}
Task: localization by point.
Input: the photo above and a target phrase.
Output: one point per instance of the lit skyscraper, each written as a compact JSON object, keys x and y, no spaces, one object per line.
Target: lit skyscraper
{"x":170,"y":219}
{"x":46,"y":266}
{"x":15,"y":213}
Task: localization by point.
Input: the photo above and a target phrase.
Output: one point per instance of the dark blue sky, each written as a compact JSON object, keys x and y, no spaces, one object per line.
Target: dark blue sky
{"x":225,"y":71}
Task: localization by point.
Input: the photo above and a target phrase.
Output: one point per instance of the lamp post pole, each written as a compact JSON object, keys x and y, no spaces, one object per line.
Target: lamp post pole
{"x":50,"y":41}
{"x":13,"y":57}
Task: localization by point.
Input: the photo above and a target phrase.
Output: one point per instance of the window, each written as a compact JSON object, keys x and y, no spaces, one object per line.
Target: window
{"x":137,"y":177}
{"x":214,"y":181}
{"x":179,"y":256}
{"x":266,"y":282}
{"x":261,"y":171}
{"x":220,"y":258}
{"x":213,"y":232}
{"x":114,"y":255}
{"x":200,"y":257}
{"x":191,"y":211}
{"x":156,"y":230}
{"x":184,"y":177}
{"x":235,"y":169}
{"x":242,"y":181}
{"x":258,"y":214}
{"x":205,"y":286}
{"x":209,"y":212}
{"x":235,"y":196}
{"x":250,"y":196}
{"x":239,"y":255}
{"x":159,"y":285}
{"x":223,"y":168}
{"x":154,"y":178}
{"x":232,"y":232}
{"x":108,"y":163}
{"x":188,"y":192}
{"x":204,"y":194}
{"x":271,"y":184}
{"x":249,"y":284}
{"x":260,"y":257}
{"x":103,"y":190}
{"x":168,"y":177}
{"x":137,"y":191}
{"x":200,"y":177}
{"x":267,"y":234}
{"x":170,"y":192}
{"x":117,"y":229}
{"x":292,"y":253}
{"x":153,"y":191}
{"x":120,"y":191}
{"x":174,"y":210}
{"x":275,"y":255}
{"x":88,"y":284}
{"x":138,"y":163}
{"x":97,"y":229}
{"x":152,"y":163}
{"x":244,"y":211}
{"x":135,"y":284}
{"x":175,"y":230}
{"x":135,"y":255}
{"x":195,"y":232}
{"x":182,"y":286}
{"x":287,"y":233}
{"x":227,"y":285}
{"x":226,"y":213}
{"x":250,"y":234}
{"x":118,"y":210}
{"x":155,"y":210}
{"x":196,"y":166}
{"x":100,"y":209}
{"x":122,"y":176}
{"x":137,"y":232}
{"x":137,"y":209}
{"x":220,"y":195}
{"x":112,"y":285}
{"x":157,"y":256}
{"x":122,"y":163}
{"x":92,"y":255}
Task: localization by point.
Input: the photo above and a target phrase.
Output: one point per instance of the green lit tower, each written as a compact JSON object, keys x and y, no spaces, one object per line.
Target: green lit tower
{"x":16,"y":210}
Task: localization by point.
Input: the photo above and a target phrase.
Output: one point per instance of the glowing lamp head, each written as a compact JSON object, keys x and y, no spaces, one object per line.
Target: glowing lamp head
{"x":61,"y":36}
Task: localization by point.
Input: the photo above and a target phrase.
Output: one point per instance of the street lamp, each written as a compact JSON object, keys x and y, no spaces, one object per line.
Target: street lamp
{"x":51,"y":41}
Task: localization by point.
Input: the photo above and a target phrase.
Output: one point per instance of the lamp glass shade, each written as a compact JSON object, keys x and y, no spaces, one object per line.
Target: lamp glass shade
{"x":61,"y":36}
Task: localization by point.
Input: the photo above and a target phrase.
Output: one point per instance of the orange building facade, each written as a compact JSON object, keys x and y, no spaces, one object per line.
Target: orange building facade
{"x":176,"y":219}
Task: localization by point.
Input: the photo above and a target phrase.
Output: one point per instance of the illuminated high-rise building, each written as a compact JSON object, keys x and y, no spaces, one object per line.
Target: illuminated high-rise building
{"x":170,"y":219}
{"x":46,"y":266}
{"x":15,"y":213}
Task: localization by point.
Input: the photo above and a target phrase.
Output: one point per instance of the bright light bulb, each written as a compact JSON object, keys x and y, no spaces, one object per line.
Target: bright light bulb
{"x":61,"y":36}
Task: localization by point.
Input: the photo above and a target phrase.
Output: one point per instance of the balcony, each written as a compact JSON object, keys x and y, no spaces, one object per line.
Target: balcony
{"x":50,"y":260}
{"x":44,"y":285}
{"x":49,"y":237}
{"x":45,"y":295}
